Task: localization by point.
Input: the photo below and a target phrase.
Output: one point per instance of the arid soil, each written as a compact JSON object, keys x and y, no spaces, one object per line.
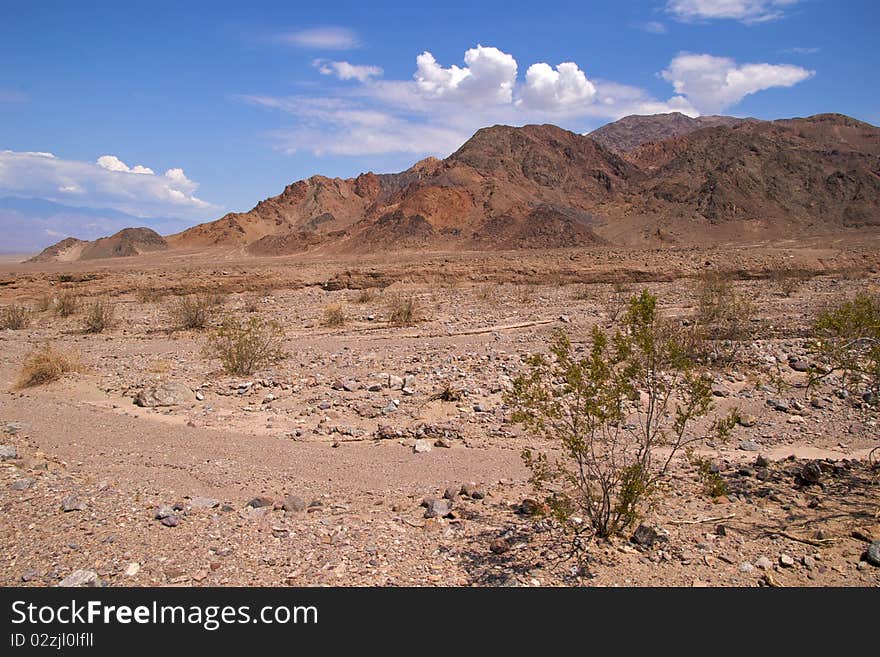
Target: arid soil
{"x":174,"y":495}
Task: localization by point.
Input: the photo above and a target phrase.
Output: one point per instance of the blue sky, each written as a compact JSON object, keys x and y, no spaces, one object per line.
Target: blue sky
{"x":221,"y":104}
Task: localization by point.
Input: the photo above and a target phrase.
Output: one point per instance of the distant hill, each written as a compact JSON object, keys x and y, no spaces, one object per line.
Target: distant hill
{"x":127,"y":242}
{"x":631,"y":132}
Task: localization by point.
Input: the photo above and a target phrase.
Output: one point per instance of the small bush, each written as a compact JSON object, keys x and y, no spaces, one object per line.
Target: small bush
{"x":67,"y":304}
{"x":612,"y":450}
{"x":486,"y":293}
{"x":46,"y":364}
{"x":366,"y":295}
{"x":15,"y":317}
{"x":193,"y":311}
{"x":251,"y":304}
{"x":150,"y":295}
{"x":723,"y":321}
{"x":617,"y":301}
{"x":788,"y":281}
{"x":245,"y":346}
{"x":334,"y":316}
{"x":711,"y":479}
{"x":404,"y":311}
{"x":44,"y":303}
{"x":848,"y":338}
{"x":98,"y":316}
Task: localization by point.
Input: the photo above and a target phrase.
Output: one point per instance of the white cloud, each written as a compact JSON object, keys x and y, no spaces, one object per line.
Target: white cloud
{"x":488,"y":77}
{"x":716,"y":83}
{"x":652,"y":27}
{"x":746,"y":11}
{"x":107,"y":183}
{"x":442,"y":106}
{"x":346,"y":71}
{"x":322,"y":38}
{"x":564,"y":89}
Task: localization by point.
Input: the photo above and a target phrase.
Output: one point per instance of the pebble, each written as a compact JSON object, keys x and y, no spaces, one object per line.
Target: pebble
{"x":786,"y":561}
{"x":8,"y":452}
{"x":81,"y":578}
{"x":422,"y":446}
{"x":872,"y":554}
{"x":22,"y":484}
{"x":438,"y":508}
{"x":749,"y":446}
{"x":72,"y":503}
{"x":763,"y":563}
{"x":260,"y":501}
{"x":294,"y":504}
{"x":132,"y":569}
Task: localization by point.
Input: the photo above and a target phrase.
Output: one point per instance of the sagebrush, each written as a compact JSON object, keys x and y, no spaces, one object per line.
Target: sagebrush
{"x":244,"y":346}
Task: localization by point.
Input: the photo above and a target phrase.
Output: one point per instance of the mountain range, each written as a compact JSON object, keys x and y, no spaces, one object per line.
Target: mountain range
{"x":645,"y":180}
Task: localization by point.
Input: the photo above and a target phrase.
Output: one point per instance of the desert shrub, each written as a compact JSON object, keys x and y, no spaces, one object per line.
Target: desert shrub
{"x":244,"y":346}
{"x":847,"y":337}
{"x":44,"y":303}
{"x":46,"y":364}
{"x":67,"y":304}
{"x":609,"y":460}
{"x":193,"y":311}
{"x":486,"y":293}
{"x":365,"y":295}
{"x":150,"y":295}
{"x":251,"y":304}
{"x":98,"y":316}
{"x":617,"y":301}
{"x":788,"y":281}
{"x":723,"y":321}
{"x":334,"y":316}
{"x":710,"y":478}
{"x":15,"y":317}
{"x":404,"y":311}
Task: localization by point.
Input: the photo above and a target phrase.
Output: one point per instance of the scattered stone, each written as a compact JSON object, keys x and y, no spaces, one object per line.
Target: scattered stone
{"x":530,"y":507}
{"x":30,"y":575}
{"x":438,"y":508}
{"x":14,"y":428}
{"x":720,"y":391}
{"x":809,"y":562}
{"x":746,"y":567}
{"x":443,"y":443}
{"x":422,"y":446}
{"x":171,"y":521}
{"x":170,"y":393}
{"x":645,"y":536}
{"x":22,"y":484}
{"x":132,"y":569}
{"x":872,"y":554}
{"x":200,"y":396}
{"x":294,"y":504}
{"x":763,"y":563}
{"x":473,"y":491}
{"x":499,"y":546}
{"x":786,"y":561}
{"x":203,"y":503}
{"x":749,"y":446}
{"x":799,"y":365}
{"x":72,"y":503}
{"x":747,"y":420}
{"x":811,"y":473}
{"x":81,"y":578}
{"x":163,"y":512}
{"x":452,"y":492}
{"x":762,"y":462}
{"x":260,"y":501}
{"x":8,"y":452}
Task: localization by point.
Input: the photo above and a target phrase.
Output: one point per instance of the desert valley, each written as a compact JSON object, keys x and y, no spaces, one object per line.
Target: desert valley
{"x":329,"y":388}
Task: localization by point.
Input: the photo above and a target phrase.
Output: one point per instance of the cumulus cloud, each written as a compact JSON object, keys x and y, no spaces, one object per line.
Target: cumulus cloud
{"x":346,"y":71}
{"x":107,"y":183}
{"x":745,"y":11}
{"x":564,"y":88}
{"x":442,"y":105}
{"x":322,"y":38}
{"x":489,"y":76}
{"x":716,"y":83}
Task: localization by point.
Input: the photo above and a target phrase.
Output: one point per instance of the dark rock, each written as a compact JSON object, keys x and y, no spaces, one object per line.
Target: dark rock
{"x":811,"y":473}
{"x":645,"y":536}
{"x":749,"y":446}
{"x":530,"y":507}
{"x":22,"y":484}
{"x":171,"y":521}
{"x":499,"y":546}
{"x":260,"y":501}
{"x":799,"y":365}
{"x":872,"y":554}
{"x":473,"y":491}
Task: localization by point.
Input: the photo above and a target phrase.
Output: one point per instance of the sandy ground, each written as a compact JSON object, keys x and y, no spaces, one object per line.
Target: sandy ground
{"x":331,"y":425}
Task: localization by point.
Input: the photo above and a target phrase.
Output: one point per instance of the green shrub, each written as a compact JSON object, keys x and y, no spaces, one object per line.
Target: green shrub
{"x":245,"y":346}
{"x":98,"y":316}
{"x":15,"y":317}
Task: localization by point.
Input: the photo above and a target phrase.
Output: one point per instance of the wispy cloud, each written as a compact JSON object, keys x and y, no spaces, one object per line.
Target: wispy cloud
{"x":346,"y":71}
{"x":749,"y":12}
{"x":801,"y":51}
{"x":652,"y":27}
{"x":321,"y":38}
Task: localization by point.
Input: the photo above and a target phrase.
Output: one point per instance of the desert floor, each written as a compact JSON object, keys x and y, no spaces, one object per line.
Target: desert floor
{"x":309,"y":426}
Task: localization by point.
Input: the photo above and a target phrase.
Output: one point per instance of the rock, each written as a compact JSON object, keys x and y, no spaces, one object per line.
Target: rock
{"x":438,"y":508}
{"x":72,"y":503}
{"x":375,"y":387}
{"x":530,"y":507}
{"x":872,"y":554}
{"x":473,"y":491}
{"x":351,"y":386}
{"x":749,"y":446}
{"x":720,"y":391}
{"x":422,"y":446}
{"x":809,"y":562}
{"x":778,"y":405}
{"x":762,"y":462}
{"x":132,"y":569}
{"x":645,"y":536}
{"x":763,"y":563}
{"x":81,"y":578}
{"x":260,"y":501}
{"x":200,"y":396}
{"x":395,"y":382}
{"x":786,"y":561}
{"x":30,"y":575}
{"x":163,"y":512}
{"x":294,"y":504}
{"x":170,"y":393}
{"x":746,"y":567}
{"x":171,"y":521}
{"x":795,"y":419}
{"x":747,"y":420}
{"x":8,"y":452}
{"x":452,"y":492}
{"x":565,"y":319}
{"x":811,"y":473}
{"x":499,"y":546}
{"x":14,"y":428}
{"x":799,"y":365}
{"x":22,"y":484}
{"x":443,"y":443}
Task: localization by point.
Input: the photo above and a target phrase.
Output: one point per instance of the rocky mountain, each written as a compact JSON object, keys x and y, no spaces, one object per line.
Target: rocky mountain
{"x":643,"y":180}
{"x":127,"y":242}
{"x":632,"y":131}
